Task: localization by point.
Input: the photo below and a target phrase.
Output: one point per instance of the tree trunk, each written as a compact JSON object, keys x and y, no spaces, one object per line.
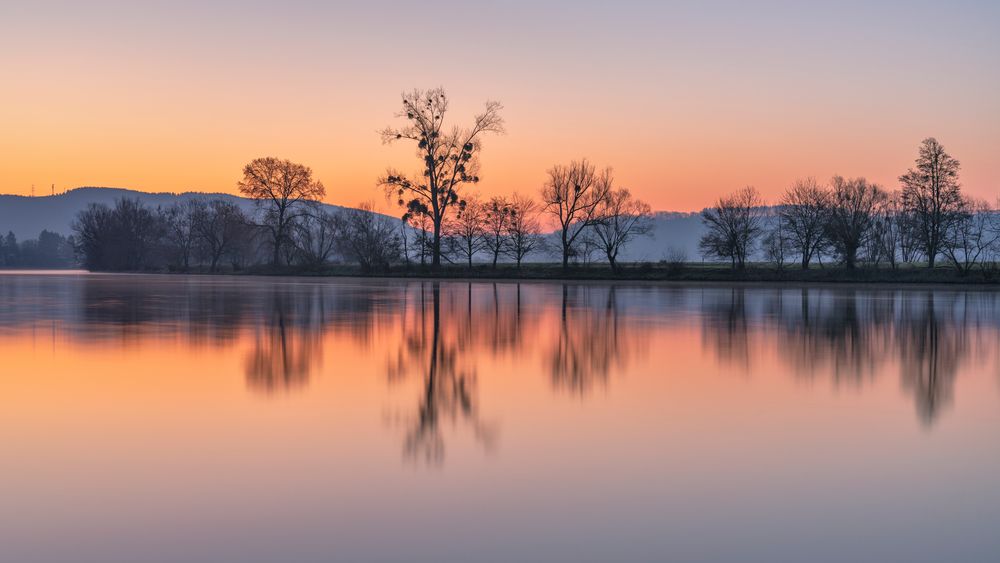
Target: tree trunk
{"x":850,"y":258}
{"x":436,"y":246}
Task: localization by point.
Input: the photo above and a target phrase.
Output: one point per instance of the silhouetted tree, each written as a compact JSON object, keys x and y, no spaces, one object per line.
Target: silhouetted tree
{"x":931,"y":191}
{"x":971,"y":237}
{"x":49,"y":250}
{"x":450,"y":158}
{"x":368,"y":238}
{"x":802,"y":214}
{"x":315,"y":237}
{"x":9,"y":249}
{"x":891,"y":239}
{"x":119,"y":238}
{"x":524,"y":230}
{"x":572,"y":195}
{"x":283,"y":191}
{"x":777,"y":244}
{"x":220,"y":227}
{"x":853,"y":205}
{"x":464,"y":233}
{"x":620,"y":219}
{"x":734,"y":224}
{"x":418,"y":237}
{"x":496,"y":227}
{"x":179,"y":234}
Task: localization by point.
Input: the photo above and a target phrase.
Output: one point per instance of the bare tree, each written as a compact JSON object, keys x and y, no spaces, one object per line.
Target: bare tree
{"x":315,"y":237}
{"x":496,"y":227}
{"x":523,"y":228}
{"x":572,"y":195}
{"x":450,"y":158}
{"x":734,"y":224}
{"x":891,"y":238}
{"x":620,"y":219}
{"x":284,"y":191}
{"x":802,"y":213}
{"x":972,"y":237}
{"x":220,"y":226}
{"x":465,"y":233}
{"x":420,"y":229}
{"x":368,"y":238}
{"x":179,"y":234}
{"x":931,"y":191}
{"x":853,"y":205}
{"x":117,"y":238}
{"x":777,"y":245}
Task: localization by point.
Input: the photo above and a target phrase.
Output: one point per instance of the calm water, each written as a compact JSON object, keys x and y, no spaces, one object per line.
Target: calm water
{"x":155,"y":418}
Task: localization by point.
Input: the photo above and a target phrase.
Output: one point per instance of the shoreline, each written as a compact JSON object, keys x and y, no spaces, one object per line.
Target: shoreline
{"x":909,"y":276}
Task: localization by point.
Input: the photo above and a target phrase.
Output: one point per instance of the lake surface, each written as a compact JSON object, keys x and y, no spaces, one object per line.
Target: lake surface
{"x":217,"y":419}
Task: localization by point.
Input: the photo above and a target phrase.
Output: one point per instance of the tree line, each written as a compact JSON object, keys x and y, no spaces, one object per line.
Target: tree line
{"x":49,"y":250}
{"x":855,"y":221}
{"x":580,"y":213}
{"x":216,"y":234}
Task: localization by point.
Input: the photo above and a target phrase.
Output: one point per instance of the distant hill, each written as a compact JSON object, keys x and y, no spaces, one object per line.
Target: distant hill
{"x":673,"y":232}
{"x":27,"y":216}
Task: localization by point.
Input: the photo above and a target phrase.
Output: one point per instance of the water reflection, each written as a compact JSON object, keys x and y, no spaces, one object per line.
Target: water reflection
{"x":448,"y":373}
{"x":849,"y":335}
{"x":594,"y":339}
{"x":579,"y":336}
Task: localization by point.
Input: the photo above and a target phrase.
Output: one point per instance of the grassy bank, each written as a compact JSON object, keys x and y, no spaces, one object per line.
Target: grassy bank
{"x":664,"y":272}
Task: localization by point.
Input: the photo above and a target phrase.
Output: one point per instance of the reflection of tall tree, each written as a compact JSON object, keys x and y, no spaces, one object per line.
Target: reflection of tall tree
{"x":448,"y":391}
{"x":593,"y":341}
{"x":286,"y":348}
{"x":931,"y":352}
{"x":726,"y":328}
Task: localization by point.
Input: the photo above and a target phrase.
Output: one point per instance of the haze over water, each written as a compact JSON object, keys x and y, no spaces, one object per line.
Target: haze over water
{"x":175,"y":418}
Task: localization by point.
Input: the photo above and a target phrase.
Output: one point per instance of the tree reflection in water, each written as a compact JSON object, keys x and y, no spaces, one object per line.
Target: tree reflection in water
{"x":446,"y":359}
{"x":850,"y":334}
{"x":286,"y":347}
{"x":576,"y":336}
{"x":594,"y":340}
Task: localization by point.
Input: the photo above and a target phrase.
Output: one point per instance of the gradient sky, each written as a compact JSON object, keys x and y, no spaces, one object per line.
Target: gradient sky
{"x":685,"y":101}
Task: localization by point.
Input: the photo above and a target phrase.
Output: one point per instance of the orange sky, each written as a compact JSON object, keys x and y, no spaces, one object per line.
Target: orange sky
{"x":684,"y":103}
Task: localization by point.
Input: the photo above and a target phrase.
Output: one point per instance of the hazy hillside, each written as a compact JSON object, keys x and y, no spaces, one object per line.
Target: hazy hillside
{"x":672,"y":231}
{"x":27,"y":216}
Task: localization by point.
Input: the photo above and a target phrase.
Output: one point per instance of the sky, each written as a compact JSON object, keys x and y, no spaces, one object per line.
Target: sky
{"x":686,"y":101}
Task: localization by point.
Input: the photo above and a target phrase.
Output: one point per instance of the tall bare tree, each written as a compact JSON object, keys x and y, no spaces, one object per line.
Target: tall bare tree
{"x":853,"y":206}
{"x":572,"y":195}
{"x":524,"y":231}
{"x":620,"y":219}
{"x":931,"y":191}
{"x":449,"y":158}
{"x":734,"y":224}
{"x":283,"y":191}
{"x":802,"y":213}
